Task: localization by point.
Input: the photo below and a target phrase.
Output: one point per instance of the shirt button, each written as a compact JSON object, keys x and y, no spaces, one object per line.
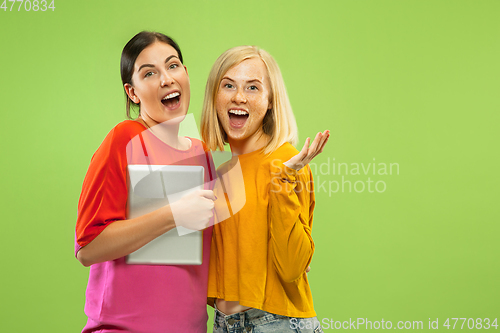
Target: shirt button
{"x":230,"y":321}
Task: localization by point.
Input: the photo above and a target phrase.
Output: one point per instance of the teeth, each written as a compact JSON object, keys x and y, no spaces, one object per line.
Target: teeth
{"x":238,"y":112}
{"x":172,"y":95}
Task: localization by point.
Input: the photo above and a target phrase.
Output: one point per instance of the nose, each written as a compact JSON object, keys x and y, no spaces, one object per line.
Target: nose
{"x":239,"y":96}
{"x":166,"y":79}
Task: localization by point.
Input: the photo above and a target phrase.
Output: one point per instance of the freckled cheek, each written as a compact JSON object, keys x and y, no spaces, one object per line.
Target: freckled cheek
{"x":259,"y":106}
{"x":221,"y":117}
{"x":220,"y":102}
{"x":220,"y":111}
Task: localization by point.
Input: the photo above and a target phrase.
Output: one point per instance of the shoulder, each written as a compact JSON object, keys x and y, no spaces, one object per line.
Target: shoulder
{"x":197,"y":146}
{"x":285,"y":152}
{"x":127,"y":130}
{"x":118,"y":138}
{"x":122,"y":133}
{"x":196,"y":143}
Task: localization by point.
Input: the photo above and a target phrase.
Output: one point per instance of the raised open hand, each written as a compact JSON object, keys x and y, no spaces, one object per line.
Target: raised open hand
{"x":308,"y":153}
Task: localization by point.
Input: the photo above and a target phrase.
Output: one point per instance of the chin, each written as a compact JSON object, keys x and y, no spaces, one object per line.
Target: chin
{"x":238,"y":138}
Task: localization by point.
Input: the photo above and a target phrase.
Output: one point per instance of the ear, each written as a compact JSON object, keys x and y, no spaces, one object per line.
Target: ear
{"x":129,"y":89}
{"x":186,"y":70}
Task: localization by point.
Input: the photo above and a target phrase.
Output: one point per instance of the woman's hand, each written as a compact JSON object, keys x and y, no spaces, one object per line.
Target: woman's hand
{"x":308,"y":153}
{"x":194,"y":210}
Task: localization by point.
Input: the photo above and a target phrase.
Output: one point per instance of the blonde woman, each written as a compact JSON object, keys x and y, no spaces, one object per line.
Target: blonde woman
{"x":259,"y":256}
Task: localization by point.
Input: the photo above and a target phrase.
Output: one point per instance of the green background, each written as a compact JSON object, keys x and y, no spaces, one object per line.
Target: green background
{"x":409,"y":82}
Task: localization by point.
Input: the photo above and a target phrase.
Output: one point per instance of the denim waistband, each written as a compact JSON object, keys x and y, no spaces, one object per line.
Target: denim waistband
{"x":253,"y":316}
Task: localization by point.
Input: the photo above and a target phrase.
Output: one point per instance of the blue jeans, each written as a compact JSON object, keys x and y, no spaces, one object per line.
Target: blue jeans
{"x":258,"y":321}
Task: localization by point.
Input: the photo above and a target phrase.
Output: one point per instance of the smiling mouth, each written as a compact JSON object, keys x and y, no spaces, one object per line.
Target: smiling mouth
{"x":171,"y":100}
{"x":237,"y":118}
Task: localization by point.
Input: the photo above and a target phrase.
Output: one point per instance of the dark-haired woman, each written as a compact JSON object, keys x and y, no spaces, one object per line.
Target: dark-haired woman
{"x":143,"y":298}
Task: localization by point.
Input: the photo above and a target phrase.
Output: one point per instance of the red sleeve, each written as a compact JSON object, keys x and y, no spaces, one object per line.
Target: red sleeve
{"x":210,"y":174}
{"x":104,"y":191}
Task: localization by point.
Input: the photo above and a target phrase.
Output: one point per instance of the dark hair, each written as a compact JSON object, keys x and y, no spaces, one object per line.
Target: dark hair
{"x":132,"y":50}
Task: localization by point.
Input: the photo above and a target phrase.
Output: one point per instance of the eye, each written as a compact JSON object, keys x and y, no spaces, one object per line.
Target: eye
{"x":229,"y":86}
{"x":253,"y":88}
{"x":148,"y":74}
{"x":172,"y":66}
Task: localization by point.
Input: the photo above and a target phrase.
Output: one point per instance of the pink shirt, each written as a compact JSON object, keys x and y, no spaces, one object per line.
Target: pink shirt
{"x":138,"y":298}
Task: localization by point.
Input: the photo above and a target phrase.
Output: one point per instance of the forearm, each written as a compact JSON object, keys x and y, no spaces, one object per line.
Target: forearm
{"x":292,"y":246}
{"x":290,"y":228}
{"x":121,"y":238}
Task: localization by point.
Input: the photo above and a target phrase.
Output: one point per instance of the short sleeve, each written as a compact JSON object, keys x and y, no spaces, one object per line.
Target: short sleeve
{"x":104,"y":192}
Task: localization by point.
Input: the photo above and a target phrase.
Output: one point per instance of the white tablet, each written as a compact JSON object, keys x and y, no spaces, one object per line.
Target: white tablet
{"x":150,"y":187}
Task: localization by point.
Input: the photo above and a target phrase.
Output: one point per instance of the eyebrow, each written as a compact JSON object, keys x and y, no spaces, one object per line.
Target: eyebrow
{"x":249,"y":81}
{"x":150,"y":65}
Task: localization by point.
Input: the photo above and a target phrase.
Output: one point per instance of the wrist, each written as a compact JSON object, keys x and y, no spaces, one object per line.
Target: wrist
{"x":167,"y":217}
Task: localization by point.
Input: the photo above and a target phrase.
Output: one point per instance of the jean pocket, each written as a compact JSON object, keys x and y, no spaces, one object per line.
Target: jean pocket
{"x":216,"y":328}
{"x":318,"y":329}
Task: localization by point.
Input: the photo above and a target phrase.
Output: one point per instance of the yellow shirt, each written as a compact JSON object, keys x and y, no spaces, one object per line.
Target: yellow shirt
{"x":260,"y":254}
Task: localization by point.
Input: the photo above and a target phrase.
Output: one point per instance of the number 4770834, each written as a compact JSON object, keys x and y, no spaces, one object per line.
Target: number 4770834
{"x":477,"y":323}
{"x":29,"y":5}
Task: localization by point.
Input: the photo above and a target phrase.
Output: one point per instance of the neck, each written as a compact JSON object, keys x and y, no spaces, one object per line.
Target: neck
{"x":168,"y":133}
{"x":240,"y":147}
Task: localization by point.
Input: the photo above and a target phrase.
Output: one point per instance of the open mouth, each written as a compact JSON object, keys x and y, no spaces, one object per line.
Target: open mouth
{"x":171,"y":100}
{"x":237,"y":118}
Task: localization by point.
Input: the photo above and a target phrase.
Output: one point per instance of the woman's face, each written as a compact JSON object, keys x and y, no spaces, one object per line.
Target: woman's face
{"x":160,"y":84}
{"x":242,"y":102}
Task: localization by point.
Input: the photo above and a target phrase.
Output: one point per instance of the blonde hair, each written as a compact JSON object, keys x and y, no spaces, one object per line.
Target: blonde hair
{"x":279,"y":122}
